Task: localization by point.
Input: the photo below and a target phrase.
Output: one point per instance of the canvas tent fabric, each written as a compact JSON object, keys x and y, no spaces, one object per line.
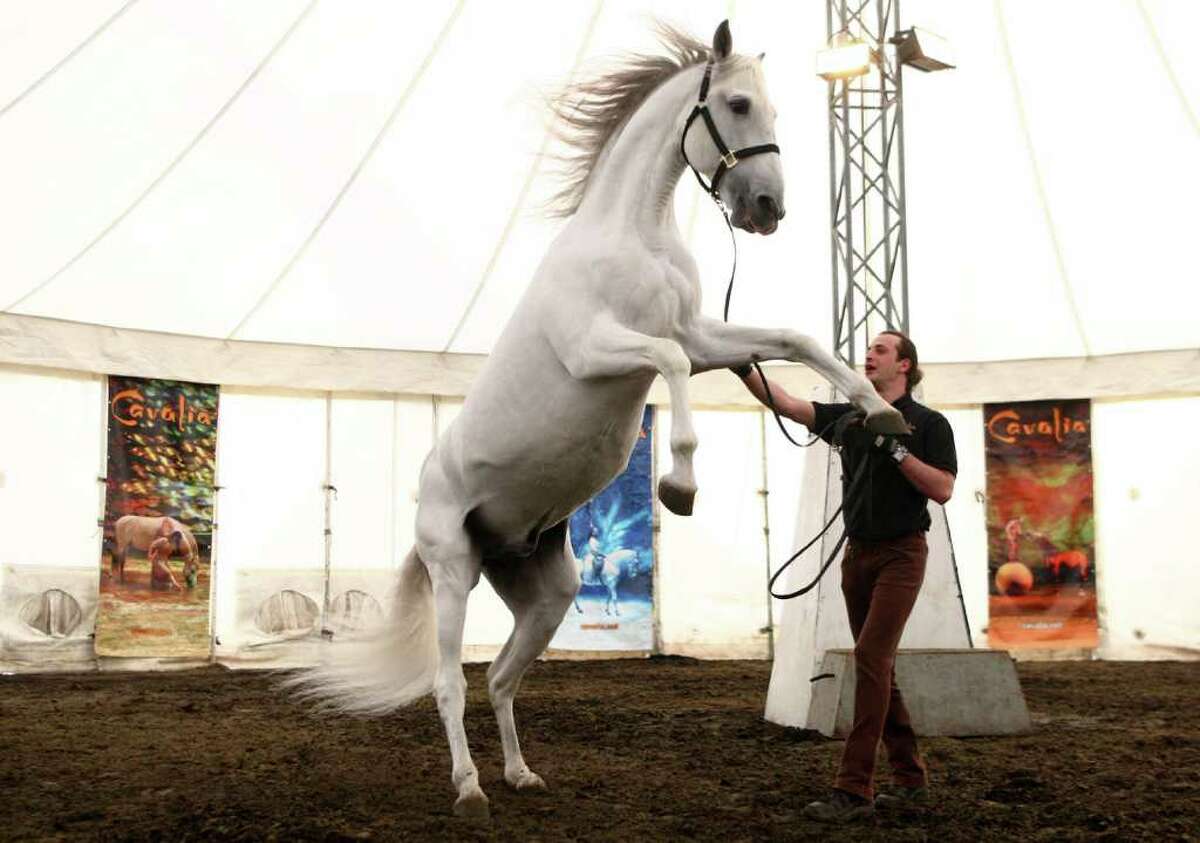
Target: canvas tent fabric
{"x":331,"y":210}
{"x":309,"y":173}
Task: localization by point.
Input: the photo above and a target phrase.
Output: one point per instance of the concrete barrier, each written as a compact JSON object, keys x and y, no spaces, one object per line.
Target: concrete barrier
{"x":955,"y":693}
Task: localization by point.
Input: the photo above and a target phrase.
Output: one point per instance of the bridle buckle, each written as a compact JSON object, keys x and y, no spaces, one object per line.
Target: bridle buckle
{"x":729,"y":158}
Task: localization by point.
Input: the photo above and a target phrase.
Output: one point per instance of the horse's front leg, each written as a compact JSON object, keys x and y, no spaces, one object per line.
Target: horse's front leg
{"x":712,"y":344}
{"x":608,"y":350}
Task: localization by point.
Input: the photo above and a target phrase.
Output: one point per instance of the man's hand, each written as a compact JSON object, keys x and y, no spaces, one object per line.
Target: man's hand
{"x":891,"y":446}
{"x":856,"y":437}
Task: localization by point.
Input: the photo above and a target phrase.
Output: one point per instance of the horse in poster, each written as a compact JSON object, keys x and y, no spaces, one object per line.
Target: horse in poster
{"x":557,"y":408}
{"x":605,"y":570}
{"x":140,"y":532}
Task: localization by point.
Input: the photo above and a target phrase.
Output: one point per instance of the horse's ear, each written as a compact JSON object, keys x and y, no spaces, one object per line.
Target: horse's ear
{"x":762,"y":56}
{"x":722,"y":44}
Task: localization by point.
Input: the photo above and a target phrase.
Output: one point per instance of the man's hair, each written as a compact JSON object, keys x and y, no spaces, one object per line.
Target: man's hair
{"x":905,"y":350}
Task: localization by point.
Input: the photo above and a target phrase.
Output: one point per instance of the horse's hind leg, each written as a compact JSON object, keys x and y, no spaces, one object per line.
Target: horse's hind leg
{"x":454,"y":565}
{"x":537,"y":591}
{"x":450,"y":591}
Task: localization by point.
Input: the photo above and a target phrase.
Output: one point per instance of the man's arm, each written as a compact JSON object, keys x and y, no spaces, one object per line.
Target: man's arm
{"x":934,"y":475}
{"x":934,"y":483}
{"x":796,"y":409}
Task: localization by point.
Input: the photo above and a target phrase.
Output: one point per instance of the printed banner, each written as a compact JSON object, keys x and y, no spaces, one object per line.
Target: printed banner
{"x":1040,"y":525}
{"x":613,"y":538}
{"x":155,"y":569}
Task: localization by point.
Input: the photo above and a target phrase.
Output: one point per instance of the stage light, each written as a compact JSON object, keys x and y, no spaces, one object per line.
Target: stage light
{"x":923,"y":50}
{"x":845,"y":58}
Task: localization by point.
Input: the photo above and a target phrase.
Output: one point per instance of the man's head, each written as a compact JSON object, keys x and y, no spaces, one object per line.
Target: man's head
{"x":890,"y":356}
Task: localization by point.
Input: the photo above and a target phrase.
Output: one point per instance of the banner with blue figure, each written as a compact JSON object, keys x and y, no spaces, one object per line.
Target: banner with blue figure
{"x":613,"y":539}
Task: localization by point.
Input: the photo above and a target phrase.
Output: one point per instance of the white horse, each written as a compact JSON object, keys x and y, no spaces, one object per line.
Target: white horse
{"x":556,"y":410}
{"x":607,"y":573}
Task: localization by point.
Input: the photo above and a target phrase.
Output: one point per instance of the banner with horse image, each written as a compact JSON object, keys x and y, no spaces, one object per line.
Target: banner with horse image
{"x":1040,"y":525}
{"x":613,"y":539}
{"x":155,"y":567}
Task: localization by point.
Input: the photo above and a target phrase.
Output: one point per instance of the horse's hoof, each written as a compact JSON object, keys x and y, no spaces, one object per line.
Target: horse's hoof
{"x":526,"y":780}
{"x":677,"y":498}
{"x":887,"y":420}
{"x":472,"y":806}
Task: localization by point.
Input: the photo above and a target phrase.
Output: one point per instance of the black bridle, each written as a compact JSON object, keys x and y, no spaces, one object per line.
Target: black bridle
{"x":729,"y":159}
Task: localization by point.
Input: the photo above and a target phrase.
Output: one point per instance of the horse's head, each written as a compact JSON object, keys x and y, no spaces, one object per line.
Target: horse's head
{"x":744,"y":117}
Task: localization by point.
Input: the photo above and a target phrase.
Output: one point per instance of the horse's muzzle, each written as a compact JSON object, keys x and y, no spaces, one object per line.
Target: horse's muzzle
{"x":767,"y":213}
{"x":760,"y":218}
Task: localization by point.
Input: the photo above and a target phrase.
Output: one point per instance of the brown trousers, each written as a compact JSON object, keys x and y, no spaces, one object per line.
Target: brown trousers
{"x":880,"y":581}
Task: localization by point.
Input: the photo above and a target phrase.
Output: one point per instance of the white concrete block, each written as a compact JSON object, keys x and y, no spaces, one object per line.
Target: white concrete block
{"x":947,"y":692}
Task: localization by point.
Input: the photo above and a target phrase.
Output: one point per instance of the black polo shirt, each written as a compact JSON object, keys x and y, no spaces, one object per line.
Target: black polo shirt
{"x":890,"y":506}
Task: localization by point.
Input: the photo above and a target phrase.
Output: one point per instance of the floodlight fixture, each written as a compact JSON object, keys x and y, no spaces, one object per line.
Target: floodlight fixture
{"x":923,"y":50}
{"x":846,"y":57}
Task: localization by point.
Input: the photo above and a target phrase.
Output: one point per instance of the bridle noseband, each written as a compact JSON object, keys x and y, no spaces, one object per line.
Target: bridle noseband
{"x":729,"y":159}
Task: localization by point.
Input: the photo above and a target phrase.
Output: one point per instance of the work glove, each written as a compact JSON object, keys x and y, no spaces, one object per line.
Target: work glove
{"x":854,"y":435}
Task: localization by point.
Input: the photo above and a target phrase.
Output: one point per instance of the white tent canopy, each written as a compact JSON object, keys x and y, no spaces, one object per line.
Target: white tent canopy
{"x":371,"y":176}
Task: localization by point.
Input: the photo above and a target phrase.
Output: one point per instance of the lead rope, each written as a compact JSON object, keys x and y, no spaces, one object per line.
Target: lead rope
{"x":728,"y":161}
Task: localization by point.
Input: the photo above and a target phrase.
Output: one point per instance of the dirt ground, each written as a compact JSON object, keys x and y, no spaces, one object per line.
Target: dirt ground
{"x":664,"y":748}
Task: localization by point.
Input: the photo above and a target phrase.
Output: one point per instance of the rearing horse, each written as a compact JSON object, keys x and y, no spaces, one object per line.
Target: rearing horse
{"x":556,"y":410}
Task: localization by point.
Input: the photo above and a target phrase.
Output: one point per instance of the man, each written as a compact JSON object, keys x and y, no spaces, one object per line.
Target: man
{"x":884,"y":562}
{"x":161,"y":578}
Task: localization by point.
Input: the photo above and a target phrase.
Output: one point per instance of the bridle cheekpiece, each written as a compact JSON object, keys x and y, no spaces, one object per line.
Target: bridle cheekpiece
{"x":729,"y":158}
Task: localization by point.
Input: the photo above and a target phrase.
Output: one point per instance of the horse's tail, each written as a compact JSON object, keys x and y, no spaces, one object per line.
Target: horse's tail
{"x":392,"y":668}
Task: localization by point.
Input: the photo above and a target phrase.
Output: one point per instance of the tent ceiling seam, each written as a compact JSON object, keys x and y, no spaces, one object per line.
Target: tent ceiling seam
{"x":413,"y":83}
{"x":519,"y":205}
{"x":1039,"y":183}
{"x":1170,"y":70}
{"x":141,"y":197}
{"x":37,"y":83}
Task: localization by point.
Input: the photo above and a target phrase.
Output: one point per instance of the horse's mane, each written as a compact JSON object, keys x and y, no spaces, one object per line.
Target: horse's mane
{"x":588,"y":113}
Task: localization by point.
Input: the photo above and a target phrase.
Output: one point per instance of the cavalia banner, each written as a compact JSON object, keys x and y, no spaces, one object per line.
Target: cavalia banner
{"x":155,"y":569}
{"x":613,"y":539}
{"x":1040,"y":525}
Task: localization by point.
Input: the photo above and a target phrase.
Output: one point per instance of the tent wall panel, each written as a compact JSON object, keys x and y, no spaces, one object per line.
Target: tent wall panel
{"x":362,"y":471}
{"x":52,"y":432}
{"x":712,"y":569}
{"x":51,"y":428}
{"x":966,"y":512}
{"x":1146,"y":557}
{"x":270,"y":509}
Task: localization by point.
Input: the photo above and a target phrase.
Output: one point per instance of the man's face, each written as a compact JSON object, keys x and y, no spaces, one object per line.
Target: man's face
{"x":883,"y":366}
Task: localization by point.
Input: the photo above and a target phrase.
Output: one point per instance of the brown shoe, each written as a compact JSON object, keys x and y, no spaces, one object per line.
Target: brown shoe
{"x":903,"y":798}
{"x":841,"y":807}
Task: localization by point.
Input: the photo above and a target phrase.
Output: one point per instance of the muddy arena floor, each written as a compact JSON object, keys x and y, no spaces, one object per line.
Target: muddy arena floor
{"x":654,"y":749}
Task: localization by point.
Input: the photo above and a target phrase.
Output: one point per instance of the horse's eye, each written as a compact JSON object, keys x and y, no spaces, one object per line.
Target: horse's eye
{"x":739,"y":105}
